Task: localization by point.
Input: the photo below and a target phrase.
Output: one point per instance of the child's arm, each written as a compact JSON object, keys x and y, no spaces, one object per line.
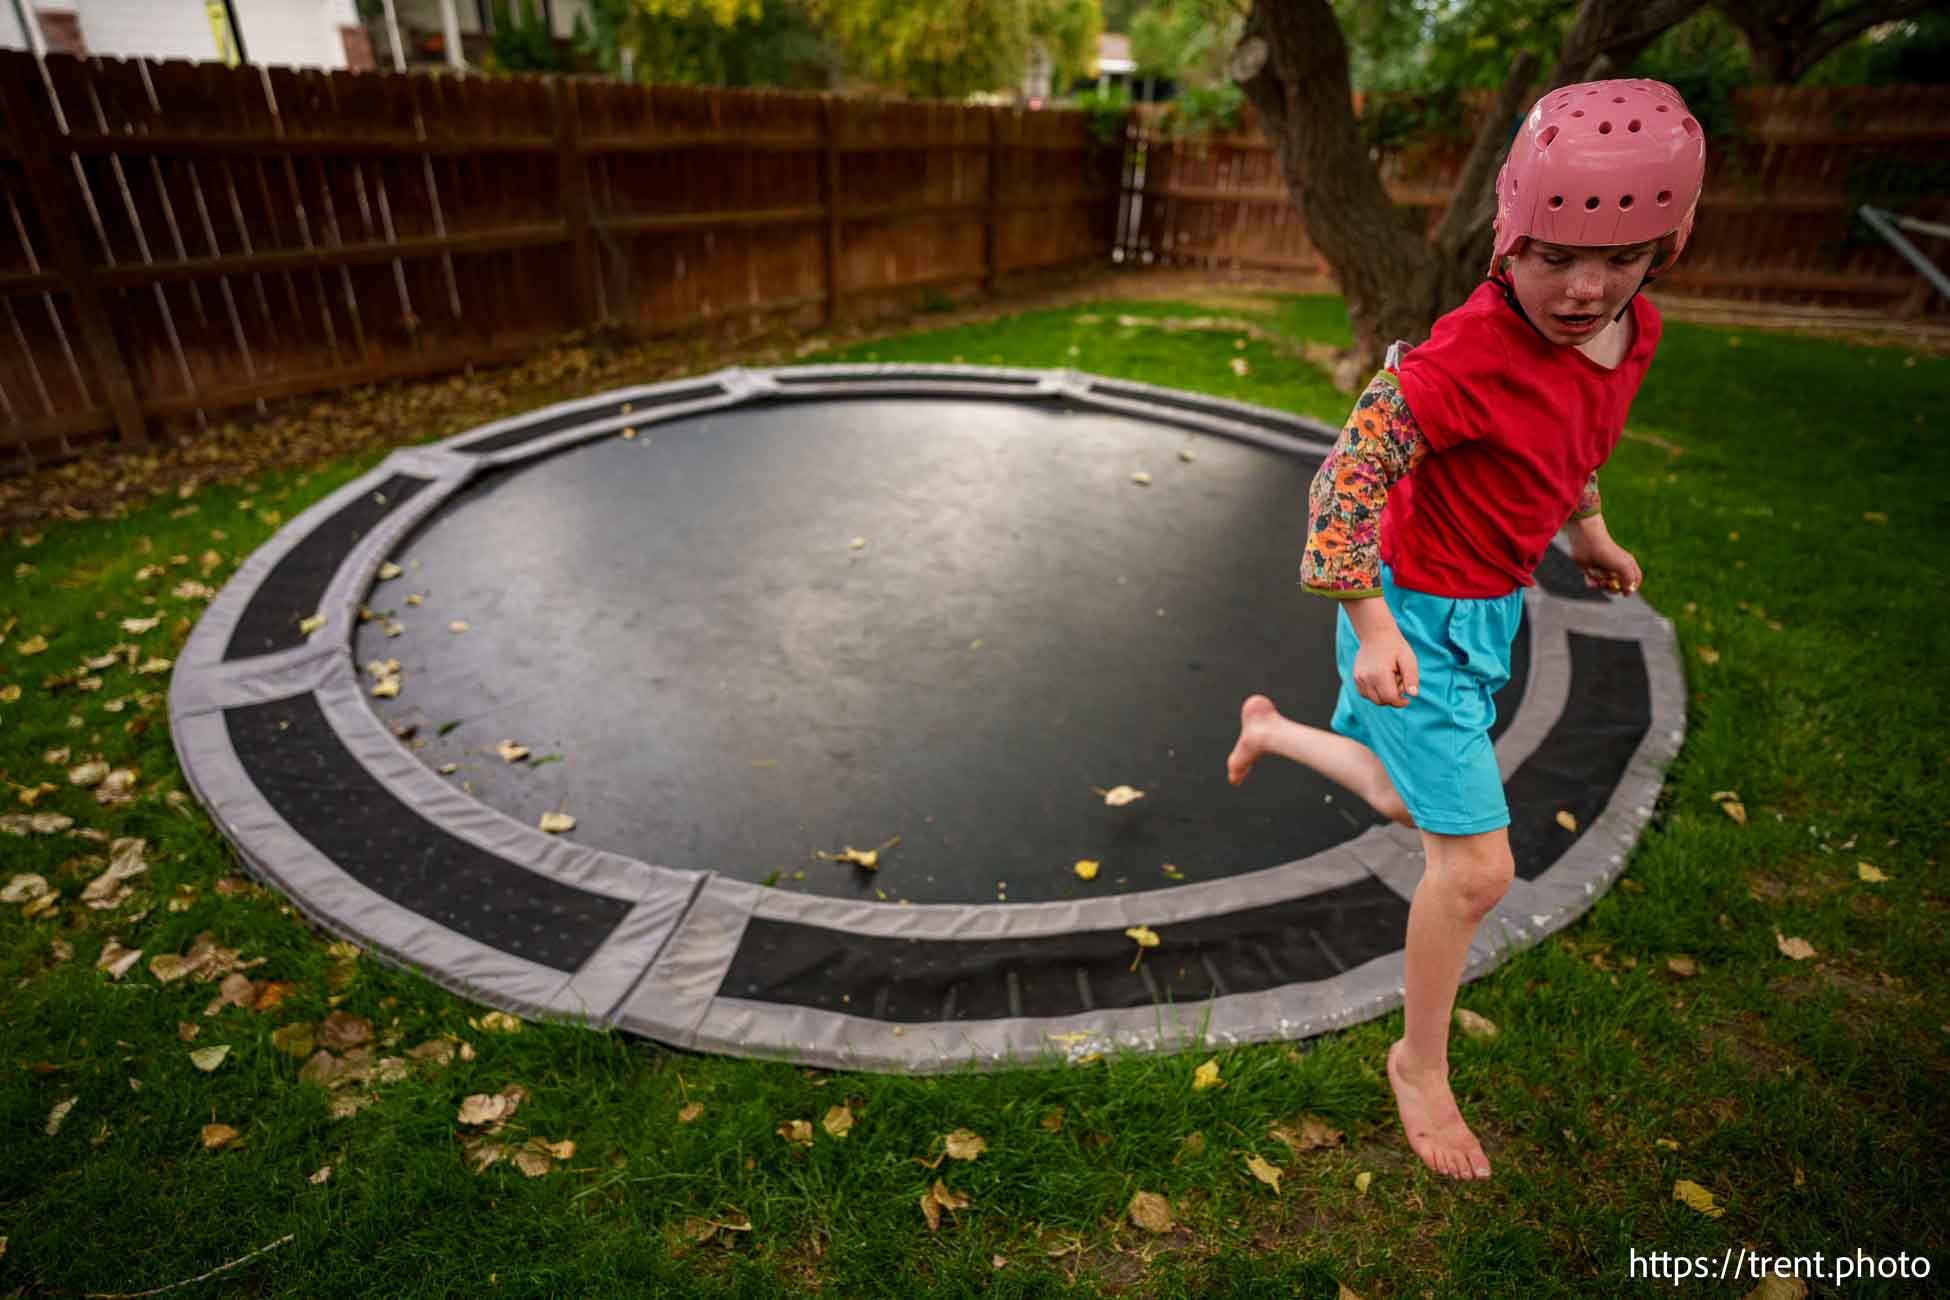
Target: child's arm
{"x":1606,"y":564}
{"x":1342,"y":560}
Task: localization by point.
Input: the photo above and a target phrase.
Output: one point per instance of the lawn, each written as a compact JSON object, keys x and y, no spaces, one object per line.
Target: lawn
{"x":1787,"y":500}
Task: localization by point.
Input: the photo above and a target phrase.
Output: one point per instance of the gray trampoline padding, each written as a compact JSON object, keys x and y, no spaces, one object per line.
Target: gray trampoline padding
{"x":282,"y":744}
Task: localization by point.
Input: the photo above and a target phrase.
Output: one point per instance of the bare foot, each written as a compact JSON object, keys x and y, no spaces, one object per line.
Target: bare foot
{"x":1252,"y":714}
{"x":1434,"y":1126}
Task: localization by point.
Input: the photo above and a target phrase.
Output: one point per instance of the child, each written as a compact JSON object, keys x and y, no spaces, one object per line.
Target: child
{"x":1460,"y":462}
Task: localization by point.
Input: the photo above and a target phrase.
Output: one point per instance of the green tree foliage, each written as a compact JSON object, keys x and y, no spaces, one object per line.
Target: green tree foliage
{"x":712,"y":42}
{"x":927,"y":47}
{"x":1185,"y":40}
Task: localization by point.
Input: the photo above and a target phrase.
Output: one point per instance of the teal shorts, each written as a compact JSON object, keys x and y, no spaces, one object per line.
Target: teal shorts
{"x":1437,"y":750}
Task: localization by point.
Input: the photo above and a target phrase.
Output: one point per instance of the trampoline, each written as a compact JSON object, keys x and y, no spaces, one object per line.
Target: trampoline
{"x":745,"y":622}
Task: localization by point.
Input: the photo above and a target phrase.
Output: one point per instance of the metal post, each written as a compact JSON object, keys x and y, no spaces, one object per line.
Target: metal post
{"x":1885,"y":223}
{"x":392,"y":38}
{"x":30,"y":27}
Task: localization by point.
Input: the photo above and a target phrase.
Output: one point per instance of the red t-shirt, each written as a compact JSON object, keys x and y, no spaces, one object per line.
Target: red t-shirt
{"x":1515,"y":426}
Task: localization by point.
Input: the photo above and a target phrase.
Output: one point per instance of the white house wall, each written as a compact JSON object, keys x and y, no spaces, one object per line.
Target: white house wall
{"x":298,"y":33}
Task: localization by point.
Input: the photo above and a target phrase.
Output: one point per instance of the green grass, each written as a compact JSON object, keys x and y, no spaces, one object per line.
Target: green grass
{"x":1807,"y":1096}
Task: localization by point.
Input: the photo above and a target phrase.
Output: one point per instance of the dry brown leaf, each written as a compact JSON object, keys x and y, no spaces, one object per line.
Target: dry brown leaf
{"x":938,"y":1198}
{"x":555,"y":823}
{"x":497,"y":1022}
{"x":1307,"y":1133}
{"x":1270,"y":1174}
{"x":1684,"y":967}
{"x":341,"y":1030}
{"x":1775,"y":1286}
{"x":1151,"y":1212}
{"x":1346,"y":1292}
{"x":1475,"y":1026}
{"x":271,"y":994}
{"x":486,"y":1108}
{"x":324,"y":1172}
{"x":91,"y":773}
{"x":116,"y":959}
{"x":1870,"y":872}
{"x":218,"y":1135}
{"x":59,"y":1113}
{"x":965,"y":1145}
{"x":1697,"y":1197}
{"x":348,"y":1104}
{"x":1734,"y":809}
{"x":1567,"y":820}
{"x":838,"y":1121}
{"x":25,"y":888}
{"x":1119,"y":795}
{"x":797,"y":1132}
{"x":510,"y":751}
{"x":1207,"y":1076}
{"x":481,"y":1152}
{"x":1190,"y":1147}
{"x":1052,"y":1120}
{"x":437,"y":1051}
{"x":1796,"y":949}
{"x":690,"y":1112}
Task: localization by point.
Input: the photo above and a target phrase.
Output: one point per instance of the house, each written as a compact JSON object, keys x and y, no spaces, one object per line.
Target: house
{"x":295,"y":33}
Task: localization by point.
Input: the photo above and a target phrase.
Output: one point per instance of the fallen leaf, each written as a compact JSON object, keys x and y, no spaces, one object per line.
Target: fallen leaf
{"x":324,"y":1172}
{"x":938,"y":1198}
{"x":1734,"y":809}
{"x":1871,"y":873}
{"x":1052,"y":1120}
{"x":1697,"y":1197}
{"x":1665,"y":1144}
{"x":1566,"y":820}
{"x":88,"y":774}
{"x":867,"y":858}
{"x":33,"y":645}
{"x":838,"y":1121}
{"x":207,"y":1059}
{"x":1141,"y":478}
{"x":1707,"y":654}
{"x":348,"y":1104}
{"x":482,"y":1152}
{"x":1309,"y":1134}
{"x":1478,"y":1027}
{"x":964,"y":1145}
{"x":798,"y":1132}
{"x":457,"y":626}
{"x":1151,"y":1212}
{"x":218,"y":1135}
{"x":1270,"y":1174}
{"x":1796,"y":949}
{"x":59,"y":1113}
{"x":487,"y":1108}
{"x":1362,"y":1181}
{"x":531,"y":1160}
{"x":557,"y":822}
{"x":140,"y":625}
{"x":1146,"y":937}
{"x":690,"y":1112}
{"x":294,"y":1039}
{"x":25,"y":888}
{"x":1119,"y":795}
{"x":271,"y":994}
{"x":116,"y":959}
{"x":307,"y":626}
{"x":388,"y":571}
{"x":438,"y":1051}
{"x":1085,"y":869}
{"x":1775,"y":1286}
{"x":1207,"y":1076}
{"x":341,"y":1030}
{"x":497,"y":1022}
{"x":1190,"y":1147}
{"x":1240,"y":367}
{"x":512,"y":752}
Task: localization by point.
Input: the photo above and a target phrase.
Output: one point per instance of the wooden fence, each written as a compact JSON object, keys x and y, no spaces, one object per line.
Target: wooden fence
{"x":188,"y":237}
{"x":1773,"y":222}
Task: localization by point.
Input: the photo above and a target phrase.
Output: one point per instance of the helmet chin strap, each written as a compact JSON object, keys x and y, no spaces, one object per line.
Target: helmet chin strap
{"x":1502,"y":280}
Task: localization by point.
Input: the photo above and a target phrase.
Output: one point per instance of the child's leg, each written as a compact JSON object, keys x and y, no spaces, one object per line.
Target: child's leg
{"x":1465,"y":877}
{"x":1349,"y":763}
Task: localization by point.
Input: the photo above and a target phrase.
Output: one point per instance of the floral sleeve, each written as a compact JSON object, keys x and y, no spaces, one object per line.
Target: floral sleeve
{"x":1588,"y":499}
{"x":1380,"y":444}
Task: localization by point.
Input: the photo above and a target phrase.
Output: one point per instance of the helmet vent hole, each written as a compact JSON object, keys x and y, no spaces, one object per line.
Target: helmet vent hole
{"x":1557,"y":201}
{"x":1663,"y":108}
{"x":1591,"y":204}
{"x":1625,"y":202}
{"x":1578,"y":113}
{"x":1665,"y":197}
{"x":1634,"y":125}
{"x":1544,"y":140}
{"x":1690,"y":126}
{"x":1604,"y":128}
{"x":1618,"y":99}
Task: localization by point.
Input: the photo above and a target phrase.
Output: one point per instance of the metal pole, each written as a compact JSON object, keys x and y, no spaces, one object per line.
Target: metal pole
{"x":450,"y":35}
{"x":236,"y":30}
{"x":1884,"y":224}
{"x":392,"y":38}
{"x":30,"y":28}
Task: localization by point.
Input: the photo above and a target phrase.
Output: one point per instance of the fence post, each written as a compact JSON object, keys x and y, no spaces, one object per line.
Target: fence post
{"x":992,"y":219}
{"x":829,"y":195}
{"x":572,"y":176}
{"x":62,"y":221}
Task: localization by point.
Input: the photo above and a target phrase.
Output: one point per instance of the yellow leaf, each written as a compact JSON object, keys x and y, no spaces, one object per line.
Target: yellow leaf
{"x":1796,"y":949}
{"x":690,"y":1112}
{"x":1146,"y":938}
{"x":1707,"y":654}
{"x":498,"y":1022}
{"x":1052,"y":1120}
{"x":1697,"y":1197}
{"x":1141,"y":478}
{"x":1474,"y":1025}
{"x":556,"y":822}
{"x":1666,"y":1144}
{"x":1566,"y":820}
{"x":1085,"y":869}
{"x":838,"y":1121}
{"x":1734,"y":809}
{"x":1151,"y":1212}
{"x":1269,"y":1174}
{"x":207,"y":1059}
{"x":33,"y":645}
{"x":1682,"y":966}
{"x":510,"y":751}
{"x":1207,"y":1076}
{"x":938,"y":1198}
{"x":1871,"y":873}
{"x":457,"y":626}
{"x":218,"y":1135}
{"x":1311,"y":1133}
{"x":388,"y":571}
{"x":1362,"y":1181}
{"x":1119,"y":795}
{"x":1346,"y":1292}
{"x":386,"y":689}
{"x":797,"y":1131}
{"x":312,"y":624}
{"x":964,"y":1145}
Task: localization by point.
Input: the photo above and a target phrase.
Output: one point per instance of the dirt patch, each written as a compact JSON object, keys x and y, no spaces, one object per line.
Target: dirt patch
{"x":1746,"y":1042}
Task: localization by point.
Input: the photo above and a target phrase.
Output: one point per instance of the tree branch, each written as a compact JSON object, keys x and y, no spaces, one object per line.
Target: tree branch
{"x":1606,"y":25}
{"x":1847,"y":26}
{"x":1467,"y":213}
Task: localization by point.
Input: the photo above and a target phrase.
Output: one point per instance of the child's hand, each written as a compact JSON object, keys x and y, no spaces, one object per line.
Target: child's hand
{"x":1385,"y":671}
{"x":1608,"y":566}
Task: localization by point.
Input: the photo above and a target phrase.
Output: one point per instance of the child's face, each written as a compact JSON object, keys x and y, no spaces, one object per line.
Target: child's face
{"x":1573,"y":291}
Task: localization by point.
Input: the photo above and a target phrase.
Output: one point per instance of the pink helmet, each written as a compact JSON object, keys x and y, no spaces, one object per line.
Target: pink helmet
{"x":1603,"y":162}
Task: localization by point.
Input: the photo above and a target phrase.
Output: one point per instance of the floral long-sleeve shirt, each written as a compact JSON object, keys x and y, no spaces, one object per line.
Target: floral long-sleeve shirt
{"x":1378,"y":447}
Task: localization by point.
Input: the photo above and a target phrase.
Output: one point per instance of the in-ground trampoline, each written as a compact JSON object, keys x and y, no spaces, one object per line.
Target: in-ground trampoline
{"x":745,"y":622}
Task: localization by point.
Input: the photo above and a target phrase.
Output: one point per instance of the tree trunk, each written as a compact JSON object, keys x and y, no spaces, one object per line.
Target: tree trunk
{"x":1291,"y":62}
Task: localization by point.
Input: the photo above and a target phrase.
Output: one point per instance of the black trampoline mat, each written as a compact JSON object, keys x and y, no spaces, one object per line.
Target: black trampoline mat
{"x":732,"y":686}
